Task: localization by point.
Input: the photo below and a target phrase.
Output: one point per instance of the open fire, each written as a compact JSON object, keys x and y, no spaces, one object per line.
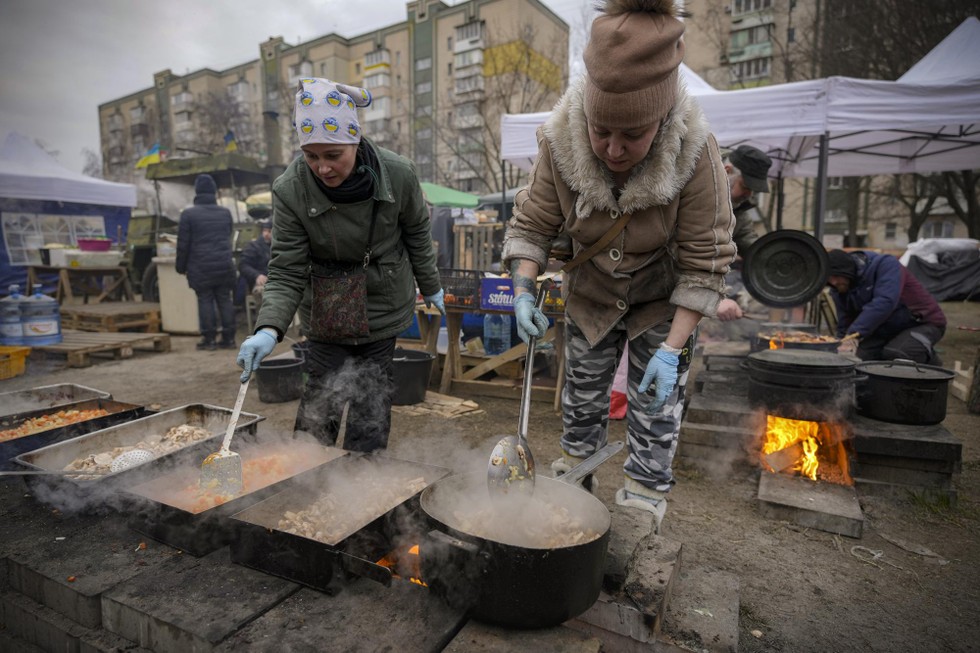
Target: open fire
{"x":812,"y":449}
{"x":404,"y":563}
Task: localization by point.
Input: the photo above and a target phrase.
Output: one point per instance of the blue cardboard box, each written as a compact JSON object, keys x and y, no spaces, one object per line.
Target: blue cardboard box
{"x":497,"y":294}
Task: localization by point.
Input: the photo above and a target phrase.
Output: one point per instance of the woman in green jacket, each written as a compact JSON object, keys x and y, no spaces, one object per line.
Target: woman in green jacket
{"x":350,"y":241}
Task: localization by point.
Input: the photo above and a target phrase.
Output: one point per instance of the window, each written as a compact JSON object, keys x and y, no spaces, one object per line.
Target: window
{"x":239,"y":90}
{"x":449,"y":68}
{"x":376,"y":57}
{"x":835,"y":183}
{"x":357,"y":68}
{"x":891,"y":229}
{"x":746,"y":6}
{"x":937,"y":229}
{"x":424,"y":134}
{"x":449,"y":43}
{"x":744,"y":37}
{"x":469,"y":31}
{"x":183,"y":97}
{"x":467,"y":84}
{"x":424,"y":63}
{"x":791,"y":35}
{"x":748,"y":70}
{"x":136,"y":114}
{"x":423,"y":87}
{"x":374,"y":81}
{"x":468,"y":58}
{"x":299,"y":71}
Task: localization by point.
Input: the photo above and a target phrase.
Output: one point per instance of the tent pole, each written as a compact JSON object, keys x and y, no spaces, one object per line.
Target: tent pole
{"x":156,"y":218}
{"x":780,"y":199}
{"x":821,"y":201}
{"x":503,"y":191}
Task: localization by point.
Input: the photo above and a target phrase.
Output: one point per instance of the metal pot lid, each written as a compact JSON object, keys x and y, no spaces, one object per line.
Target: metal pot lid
{"x":803,"y":358}
{"x":785,"y":268}
{"x":905,"y":370}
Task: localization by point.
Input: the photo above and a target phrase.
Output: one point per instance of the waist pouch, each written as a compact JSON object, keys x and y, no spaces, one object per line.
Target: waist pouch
{"x":339,"y":307}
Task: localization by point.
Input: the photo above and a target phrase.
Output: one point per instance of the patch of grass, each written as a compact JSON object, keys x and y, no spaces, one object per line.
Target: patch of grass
{"x":940,"y":506}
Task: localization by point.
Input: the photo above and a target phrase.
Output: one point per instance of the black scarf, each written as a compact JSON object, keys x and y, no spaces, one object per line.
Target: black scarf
{"x":359,"y":186}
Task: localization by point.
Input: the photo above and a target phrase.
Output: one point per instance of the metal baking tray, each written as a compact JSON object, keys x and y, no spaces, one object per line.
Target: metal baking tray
{"x":159,"y":506}
{"x":45,"y":397}
{"x":119,"y":413}
{"x":93,"y":493}
{"x":369,"y":521}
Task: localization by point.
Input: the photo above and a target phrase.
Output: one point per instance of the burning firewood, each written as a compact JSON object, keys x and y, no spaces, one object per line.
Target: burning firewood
{"x":784,"y":458}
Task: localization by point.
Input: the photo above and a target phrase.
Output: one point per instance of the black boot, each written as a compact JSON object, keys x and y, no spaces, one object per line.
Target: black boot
{"x":227,"y":344}
{"x":207,"y":345}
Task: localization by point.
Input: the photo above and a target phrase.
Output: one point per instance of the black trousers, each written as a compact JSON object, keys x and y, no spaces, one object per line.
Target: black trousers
{"x":915,"y":344}
{"x":215,"y":311}
{"x":359,"y":376}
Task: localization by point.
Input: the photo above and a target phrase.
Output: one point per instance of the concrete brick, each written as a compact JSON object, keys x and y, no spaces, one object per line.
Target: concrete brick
{"x":868,"y":487}
{"x":881,"y":438}
{"x":722,"y":437}
{"x":824,"y":506}
{"x":97,"y":557}
{"x":628,"y":528}
{"x":364,"y":617}
{"x":720,"y":382}
{"x":651,"y":574}
{"x":902,"y":476}
{"x":721,"y":411}
{"x":703,"y":612}
{"x":187,"y":605}
{"x":482,"y":638}
{"x":918,"y":464}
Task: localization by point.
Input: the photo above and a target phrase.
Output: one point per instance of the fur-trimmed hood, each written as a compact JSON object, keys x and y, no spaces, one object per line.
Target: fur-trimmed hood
{"x":660,"y":177}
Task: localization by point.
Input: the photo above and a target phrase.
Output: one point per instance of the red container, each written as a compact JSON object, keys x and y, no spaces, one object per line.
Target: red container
{"x":94,"y":244}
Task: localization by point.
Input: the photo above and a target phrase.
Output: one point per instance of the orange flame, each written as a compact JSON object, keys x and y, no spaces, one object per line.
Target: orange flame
{"x":404,"y":562}
{"x":776,"y":342}
{"x":809,"y":445}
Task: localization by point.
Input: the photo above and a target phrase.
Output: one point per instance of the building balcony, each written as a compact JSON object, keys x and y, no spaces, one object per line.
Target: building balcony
{"x":753,"y":51}
{"x":139,"y":130}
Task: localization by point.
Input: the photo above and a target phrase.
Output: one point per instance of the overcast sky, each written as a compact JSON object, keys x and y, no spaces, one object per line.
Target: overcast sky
{"x":63,"y":58}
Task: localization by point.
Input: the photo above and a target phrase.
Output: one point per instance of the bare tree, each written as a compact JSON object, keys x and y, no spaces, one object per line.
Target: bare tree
{"x":93,"y":163}
{"x":515,"y":78}
{"x":214,"y":116}
{"x":882,"y":40}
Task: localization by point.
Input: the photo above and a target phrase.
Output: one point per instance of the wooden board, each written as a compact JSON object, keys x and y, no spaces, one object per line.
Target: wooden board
{"x":78,"y":346}
{"x":441,"y":405}
{"x":112,"y":317}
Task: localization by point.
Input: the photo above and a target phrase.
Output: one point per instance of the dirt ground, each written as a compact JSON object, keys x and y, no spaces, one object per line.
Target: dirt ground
{"x":801,"y":590}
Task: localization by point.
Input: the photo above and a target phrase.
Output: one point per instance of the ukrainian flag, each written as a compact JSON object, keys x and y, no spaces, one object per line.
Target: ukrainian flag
{"x":152,"y":156}
{"x":231,"y":145}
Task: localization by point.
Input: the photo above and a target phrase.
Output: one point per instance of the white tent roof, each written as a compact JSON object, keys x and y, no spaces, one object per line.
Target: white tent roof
{"x":928,"y":121}
{"x":29,"y":173}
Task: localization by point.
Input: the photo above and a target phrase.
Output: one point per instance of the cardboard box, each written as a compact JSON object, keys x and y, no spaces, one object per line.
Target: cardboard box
{"x":498,"y":294}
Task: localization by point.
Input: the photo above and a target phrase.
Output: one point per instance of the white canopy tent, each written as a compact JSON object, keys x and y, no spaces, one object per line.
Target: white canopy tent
{"x":927,"y":121}
{"x":29,"y":173}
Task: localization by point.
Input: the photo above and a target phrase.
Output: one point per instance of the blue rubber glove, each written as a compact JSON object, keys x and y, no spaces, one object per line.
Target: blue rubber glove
{"x":253,"y":350}
{"x":662,"y":372}
{"x":530,"y":320}
{"x":438,"y":299}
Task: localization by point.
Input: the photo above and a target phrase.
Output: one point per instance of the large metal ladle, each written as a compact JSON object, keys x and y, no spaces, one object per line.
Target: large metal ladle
{"x":511,"y":464}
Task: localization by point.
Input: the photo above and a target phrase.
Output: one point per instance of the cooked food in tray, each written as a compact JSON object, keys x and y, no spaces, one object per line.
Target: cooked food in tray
{"x":174,"y":439}
{"x":796,"y":336}
{"x":52,"y":421}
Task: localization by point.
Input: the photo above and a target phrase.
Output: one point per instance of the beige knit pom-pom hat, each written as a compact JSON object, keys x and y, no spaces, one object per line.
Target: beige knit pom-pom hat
{"x":632,"y":60}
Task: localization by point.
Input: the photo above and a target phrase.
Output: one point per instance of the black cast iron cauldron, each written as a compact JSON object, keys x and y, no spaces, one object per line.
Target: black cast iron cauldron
{"x":507,"y":579}
{"x":801,"y":384}
{"x":903,"y":392}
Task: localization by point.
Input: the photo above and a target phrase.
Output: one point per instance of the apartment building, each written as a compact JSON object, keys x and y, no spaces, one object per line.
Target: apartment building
{"x":440,"y":80}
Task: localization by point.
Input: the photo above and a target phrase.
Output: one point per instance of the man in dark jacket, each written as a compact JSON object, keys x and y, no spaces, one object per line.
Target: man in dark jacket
{"x":885,"y":310}
{"x":204,"y":255}
{"x":253,"y":266}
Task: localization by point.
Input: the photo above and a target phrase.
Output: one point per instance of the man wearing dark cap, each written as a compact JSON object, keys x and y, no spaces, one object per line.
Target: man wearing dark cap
{"x":748,"y":172}
{"x":884,"y":308}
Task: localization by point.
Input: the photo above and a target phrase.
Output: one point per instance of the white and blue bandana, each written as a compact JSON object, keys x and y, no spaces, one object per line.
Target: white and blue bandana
{"x":326,"y":112}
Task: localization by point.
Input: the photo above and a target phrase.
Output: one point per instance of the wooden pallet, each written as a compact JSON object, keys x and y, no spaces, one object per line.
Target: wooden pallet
{"x":112,"y":317}
{"x":79,"y":346}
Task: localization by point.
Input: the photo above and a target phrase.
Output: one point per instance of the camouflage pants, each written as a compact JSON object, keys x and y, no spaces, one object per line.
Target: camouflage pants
{"x":589,"y":372}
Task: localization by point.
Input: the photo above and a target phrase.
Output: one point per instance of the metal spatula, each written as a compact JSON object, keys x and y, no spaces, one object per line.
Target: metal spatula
{"x":221,"y":472}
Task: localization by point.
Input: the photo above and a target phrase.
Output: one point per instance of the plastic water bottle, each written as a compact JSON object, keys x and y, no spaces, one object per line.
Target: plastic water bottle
{"x":11,"y":328}
{"x":496,"y":333}
{"x":41,"y":320}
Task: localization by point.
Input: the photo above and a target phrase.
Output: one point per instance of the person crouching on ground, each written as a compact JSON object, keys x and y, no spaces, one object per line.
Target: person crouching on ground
{"x":350,"y":240}
{"x":883,"y":308}
{"x":626,"y":143}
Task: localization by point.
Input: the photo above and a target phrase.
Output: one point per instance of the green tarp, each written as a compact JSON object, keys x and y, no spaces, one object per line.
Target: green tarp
{"x":441,"y":196}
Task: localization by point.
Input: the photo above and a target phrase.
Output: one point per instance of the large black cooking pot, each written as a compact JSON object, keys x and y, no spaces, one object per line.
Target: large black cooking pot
{"x":785,"y":268}
{"x":507,"y":573}
{"x":903,"y":392}
{"x":801,"y":384}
